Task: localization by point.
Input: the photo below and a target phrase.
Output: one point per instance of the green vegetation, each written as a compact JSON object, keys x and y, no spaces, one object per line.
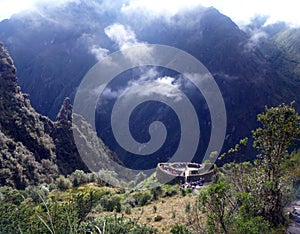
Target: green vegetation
{"x":32,"y":211}
{"x":249,"y":198}
{"x":244,"y":198}
{"x":180,"y":229}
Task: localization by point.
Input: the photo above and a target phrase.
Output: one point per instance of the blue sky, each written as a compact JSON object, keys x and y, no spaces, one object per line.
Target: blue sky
{"x":240,"y":11}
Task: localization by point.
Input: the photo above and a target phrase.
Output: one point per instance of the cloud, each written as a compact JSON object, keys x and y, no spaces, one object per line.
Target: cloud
{"x":112,"y":94}
{"x":10,"y":7}
{"x":125,"y":38}
{"x":99,"y":52}
{"x":256,"y":37}
{"x":164,"y":8}
{"x":240,"y":11}
{"x":150,"y":83}
{"x":243,"y":11}
{"x":162,"y":86}
{"x":91,"y":42}
{"x":122,"y":35}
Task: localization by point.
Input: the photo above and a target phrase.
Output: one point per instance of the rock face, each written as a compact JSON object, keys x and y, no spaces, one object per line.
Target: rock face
{"x":27,"y":152}
{"x":65,"y":113}
{"x":33,"y":148}
{"x":68,"y":158}
{"x":294,"y":214}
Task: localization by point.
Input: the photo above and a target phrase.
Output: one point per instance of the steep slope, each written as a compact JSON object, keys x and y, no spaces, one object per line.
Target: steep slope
{"x":27,"y":150}
{"x":68,"y":158}
{"x":33,"y":148}
{"x":282,"y":49}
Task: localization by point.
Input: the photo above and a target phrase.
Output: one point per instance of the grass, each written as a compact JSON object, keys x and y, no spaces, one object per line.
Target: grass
{"x":171,"y":209}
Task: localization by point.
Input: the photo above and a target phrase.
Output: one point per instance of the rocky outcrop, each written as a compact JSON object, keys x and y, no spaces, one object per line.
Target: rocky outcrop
{"x":35,"y":149}
{"x":293,"y":211}
{"x":65,"y":113}
{"x":27,"y":152}
{"x":68,"y":158}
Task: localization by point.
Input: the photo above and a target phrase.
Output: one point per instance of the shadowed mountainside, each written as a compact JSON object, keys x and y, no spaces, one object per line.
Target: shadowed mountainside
{"x":33,"y":148}
{"x":66,"y":41}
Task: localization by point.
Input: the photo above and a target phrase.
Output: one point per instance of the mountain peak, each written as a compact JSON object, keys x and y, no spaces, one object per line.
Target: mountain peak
{"x":7,"y":68}
{"x":65,"y":113}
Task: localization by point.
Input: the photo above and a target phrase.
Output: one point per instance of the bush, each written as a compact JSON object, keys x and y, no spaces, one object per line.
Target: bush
{"x":127,"y":209}
{"x":180,"y":229}
{"x":254,"y":225}
{"x":158,"y":218}
{"x":78,"y":177}
{"x":171,"y":191}
{"x":111,"y":203}
{"x":142,"y":198}
{"x":156,"y":192}
{"x":187,"y":207}
{"x":63,"y":183}
{"x":130,"y":201}
{"x":37,"y":193}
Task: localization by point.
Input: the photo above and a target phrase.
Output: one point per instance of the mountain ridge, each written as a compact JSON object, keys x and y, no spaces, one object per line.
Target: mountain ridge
{"x":60,"y":55}
{"x":33,"y":148}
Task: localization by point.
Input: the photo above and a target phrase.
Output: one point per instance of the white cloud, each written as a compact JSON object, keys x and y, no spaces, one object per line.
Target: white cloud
{"x":162,"y":86}
{"x":126,"y":38}
{"x":256,"y":36}
{"x":10,"y":7}
{"x":91,"y":42}
{"x":150,"y":83}
{"x":98,"y":52}
{"x":166,"y":8}
{"x":240,"y":11}
{"x":122,"y":35}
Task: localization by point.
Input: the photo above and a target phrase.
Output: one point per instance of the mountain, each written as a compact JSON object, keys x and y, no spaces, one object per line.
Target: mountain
{"x":27,"y":150}
{"x":53,"y":49}
{"x":282,"y":49}
{"x":33,"y":148}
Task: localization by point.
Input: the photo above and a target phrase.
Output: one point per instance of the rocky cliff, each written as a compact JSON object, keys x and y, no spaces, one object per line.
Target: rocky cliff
{"x":33,"y":148}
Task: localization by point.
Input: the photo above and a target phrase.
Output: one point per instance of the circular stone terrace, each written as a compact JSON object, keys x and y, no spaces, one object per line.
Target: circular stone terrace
{"x":180,"y":168}
{"x":180,"y":172}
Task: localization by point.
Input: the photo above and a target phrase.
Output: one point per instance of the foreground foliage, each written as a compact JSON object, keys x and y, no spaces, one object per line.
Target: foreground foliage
{"x":65,"y":212}
{"x":250,"y":197}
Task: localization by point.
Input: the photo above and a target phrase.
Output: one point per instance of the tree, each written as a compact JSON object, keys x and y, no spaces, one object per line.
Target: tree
{"x":280,"y":129}
{"x":249,"y":197}
{"x":214,"y":200}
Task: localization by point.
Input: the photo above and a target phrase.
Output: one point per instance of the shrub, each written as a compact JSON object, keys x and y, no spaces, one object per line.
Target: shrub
{"x":180,"y":229}
{"x":37,"y":193}
{"x":142,"y":198}
{"x":171,"y":191}
{"x":154,"y":209}
{"x":111,"y":203}
{"x":156,"y":192}
{"x":127,"y":209}
{"x":254,"y":225}
{"x":187,"y":207}
{"x":130,"y":201}
{"x":158,"y":218}
{"x":78,"y":177}
{"x":63,"y":183}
